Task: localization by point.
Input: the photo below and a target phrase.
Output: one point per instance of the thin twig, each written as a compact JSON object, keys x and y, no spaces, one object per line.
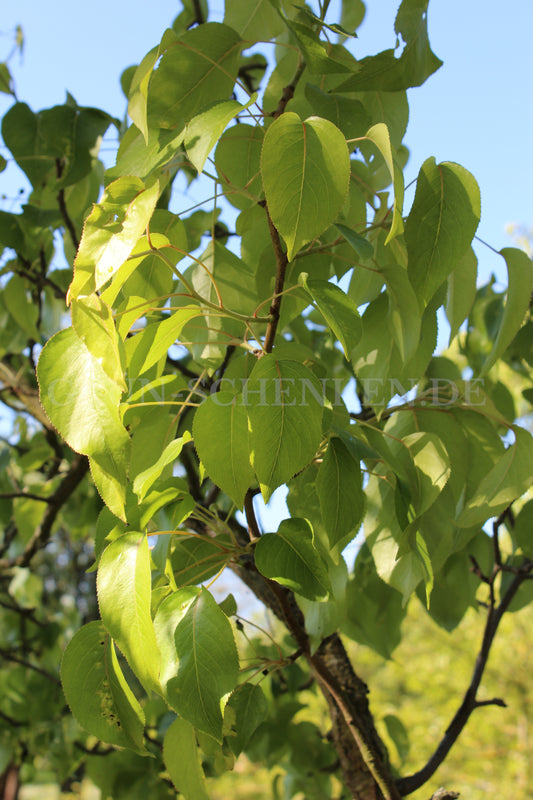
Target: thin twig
{"x":470,"y":702}
{"x":281,"y":269}
{"x":253,"y":527}
{"x":63,"y":208}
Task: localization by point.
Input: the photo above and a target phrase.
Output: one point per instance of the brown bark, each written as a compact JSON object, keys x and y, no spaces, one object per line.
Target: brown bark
{"x":362,"y":754}
{"x":10,"y":783}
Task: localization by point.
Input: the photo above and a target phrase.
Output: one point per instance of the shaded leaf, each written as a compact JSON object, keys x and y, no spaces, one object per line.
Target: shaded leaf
{"x":340,"y":491}
{"x":251,"y":708}
{"x":182,"y":760}
{"x":222,"y":418}
{"x":95,"y":689}
{"x":284,"y":404}
{"x":339,"y":311}
{"x":519,"y":288}
{"x":506,"y":481}
{"x":290,"y":558}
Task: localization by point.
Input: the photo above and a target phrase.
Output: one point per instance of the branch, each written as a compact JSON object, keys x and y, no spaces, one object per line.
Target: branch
{"x":470,"y":701}
{"x":288,"y":91}
{"x":253,"y":527}
{"x":42,"y":533}
{"x":7,"y":655}
{"x":281,"y":269}
{"x":63,"y":208}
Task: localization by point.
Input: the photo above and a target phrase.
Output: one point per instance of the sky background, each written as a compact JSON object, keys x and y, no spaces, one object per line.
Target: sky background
{"x":476,"y":110}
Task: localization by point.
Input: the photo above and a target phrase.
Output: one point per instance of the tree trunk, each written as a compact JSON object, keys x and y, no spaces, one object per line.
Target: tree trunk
{"x":9,"y":783}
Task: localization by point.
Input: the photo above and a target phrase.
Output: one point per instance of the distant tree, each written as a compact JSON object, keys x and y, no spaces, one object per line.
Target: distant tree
{"x":280,"y":333}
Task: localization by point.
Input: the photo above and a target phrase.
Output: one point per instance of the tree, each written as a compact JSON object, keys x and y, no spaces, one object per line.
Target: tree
{"x":282,"y":335}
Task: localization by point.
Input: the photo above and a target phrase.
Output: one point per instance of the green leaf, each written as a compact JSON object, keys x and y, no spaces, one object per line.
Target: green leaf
{"x":6,"y":81}
{"x":208,"y":665}
{"x":82,"y":402}
{"x":124,"y":589}
{"x":205,"y":129}
{"x":506,"y":481}
{"x":95,"y":689}
{"x":417,"y":62}
{"x":255,"y":20}
{"x":194,"y":71}
{"x":93,"y":322}
{"x":238,"y":164}
{"x":290,"y":558}
{"x":379,"y":136}
{"x":21,"y":307}
{"x":339,"y":311}
{"x":519,"y":288}
{"x":284,"y":403}
{"x":222,"y":418}
{"x":441,"y":224}
{"x":251,"y":709}
{"x":111,"y":232}
{"x":461,"y":291}
{"x":145,"y":479}
{"x":340,"y":491}
{"x":182,"y":760}
{"x":306,"y":171}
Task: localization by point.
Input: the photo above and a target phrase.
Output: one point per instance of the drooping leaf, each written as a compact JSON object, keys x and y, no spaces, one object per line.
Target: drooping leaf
{"x":505,"y":482}
{"x":97,"y":692}
{"x":290,"y":558}
{"x":169,"y":613}
{"x":379,"y":136}
{"x":223,"y":418}
{"x":284,"y":404}
{"x":111,"y":232}
{"x":339,"y":311}
{"x":374,"y":610}
{"x":461,"y":291}
{"x":250,"y":706}
{"x":519,"y":288}
{"x":238,"y":163}
{"x":196,"y":558}
{"x":404,"y":311}
{"x":208,"y":665}
{"x":340,"y":490}
{"x":82,"y":402}
{"x":182,"y":760}
{"x":441,"y":224}
{"x":153,"y":342}
{"x":306,"y":171}
{"x":124,"y":588}
{"x":361,"y":245}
